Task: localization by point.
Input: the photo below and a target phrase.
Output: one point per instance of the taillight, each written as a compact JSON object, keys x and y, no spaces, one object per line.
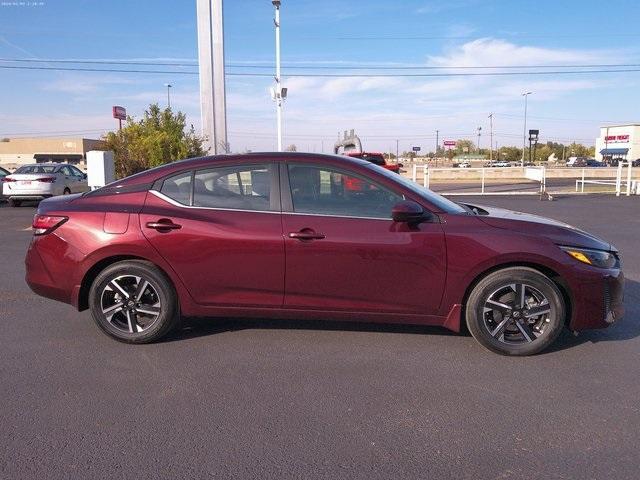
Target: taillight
{"x":9,"y":179}
{"x":43,"y":224}
{"x":46,"y":179}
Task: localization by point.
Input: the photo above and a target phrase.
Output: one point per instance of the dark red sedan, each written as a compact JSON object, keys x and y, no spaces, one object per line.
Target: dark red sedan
{"x":281,"y":236}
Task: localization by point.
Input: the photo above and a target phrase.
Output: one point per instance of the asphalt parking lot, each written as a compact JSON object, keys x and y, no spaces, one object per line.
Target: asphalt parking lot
{"x":268,"y":399}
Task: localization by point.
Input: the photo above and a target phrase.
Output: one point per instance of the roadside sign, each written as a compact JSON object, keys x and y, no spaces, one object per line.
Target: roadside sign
{"x":416,"y":149}
{"x":449,"y":143}
{"x":119,"y":112}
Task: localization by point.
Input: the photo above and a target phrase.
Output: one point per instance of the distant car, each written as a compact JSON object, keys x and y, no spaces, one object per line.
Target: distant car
{"x":583,"y":162}
{"x":377,"y":159}
{"x":462,"y":165}
{"x":502,"y":164}
{"x":38,"y":181}
{"x":3,"y":173}
{"x":636,"y":163}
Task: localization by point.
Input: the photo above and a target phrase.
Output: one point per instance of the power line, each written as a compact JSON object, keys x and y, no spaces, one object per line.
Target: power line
{"x":319,"y":67}
{"x":327,"y":75}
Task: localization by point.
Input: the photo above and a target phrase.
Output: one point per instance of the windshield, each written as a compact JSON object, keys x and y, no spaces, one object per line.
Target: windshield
{"x":442,"y":204}
{"x":36,"y":169}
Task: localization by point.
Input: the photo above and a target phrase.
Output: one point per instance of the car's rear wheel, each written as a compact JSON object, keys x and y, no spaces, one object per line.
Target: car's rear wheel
{"x":14,"y":203}
{"x":134,"y":302}
{"x":515,"y":311}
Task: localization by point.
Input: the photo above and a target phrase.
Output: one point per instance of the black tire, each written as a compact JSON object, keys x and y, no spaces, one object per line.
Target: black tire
{"x":14,"y":203}
{"x":508,"y":331}
{"x":159,"y":295}
{"x":66,"y":192}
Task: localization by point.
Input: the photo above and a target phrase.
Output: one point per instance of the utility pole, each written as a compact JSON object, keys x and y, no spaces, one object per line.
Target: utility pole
{"x":278,"y":93}
{"x":491,"y":136}
{"x":479,"y":132}
{"x":213,"y":104}
{"x":437,"y":141}
{"x":524,"y":131}
{"x":397,"y":149}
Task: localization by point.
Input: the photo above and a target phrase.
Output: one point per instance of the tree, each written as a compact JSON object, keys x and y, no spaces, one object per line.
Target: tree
{"x":291,"y":148}
{"x":465,"y":146}
{"x":159,"y":137}
{"x":510,"y":154}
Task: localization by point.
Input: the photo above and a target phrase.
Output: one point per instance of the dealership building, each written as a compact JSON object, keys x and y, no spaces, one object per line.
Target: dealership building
{"x":20,"y":151}
{"x":618,"y":141}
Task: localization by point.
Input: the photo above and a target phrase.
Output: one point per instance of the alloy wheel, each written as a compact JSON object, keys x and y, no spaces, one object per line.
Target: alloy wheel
{"x":517,"y":313}
{"x":130,"y":303}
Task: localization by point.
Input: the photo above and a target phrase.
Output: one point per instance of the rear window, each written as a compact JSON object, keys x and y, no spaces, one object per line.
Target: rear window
{"x":36,"y":169}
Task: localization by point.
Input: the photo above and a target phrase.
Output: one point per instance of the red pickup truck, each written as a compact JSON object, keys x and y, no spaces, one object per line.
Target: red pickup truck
{"x":377,"y":158}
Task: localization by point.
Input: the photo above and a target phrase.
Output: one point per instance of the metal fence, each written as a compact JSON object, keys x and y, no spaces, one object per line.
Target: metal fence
{"x":528,"y":180}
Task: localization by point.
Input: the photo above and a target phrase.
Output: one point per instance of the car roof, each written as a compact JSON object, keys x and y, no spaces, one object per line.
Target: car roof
{"x":149,"y":176}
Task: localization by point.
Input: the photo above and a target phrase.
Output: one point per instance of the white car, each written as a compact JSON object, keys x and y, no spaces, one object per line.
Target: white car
{"x":43,"y":180}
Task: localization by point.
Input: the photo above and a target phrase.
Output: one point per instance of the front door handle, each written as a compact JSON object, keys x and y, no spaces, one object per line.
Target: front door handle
{"x":163,"y":224}
{"x":306,"y":234}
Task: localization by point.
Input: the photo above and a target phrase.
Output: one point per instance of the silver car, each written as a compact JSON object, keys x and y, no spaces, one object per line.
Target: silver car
{"x":3,"y":173}
{"x":43,"y":180}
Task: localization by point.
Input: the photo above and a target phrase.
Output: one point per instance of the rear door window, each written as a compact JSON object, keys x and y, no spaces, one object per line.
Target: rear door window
{"x":238,"y":187}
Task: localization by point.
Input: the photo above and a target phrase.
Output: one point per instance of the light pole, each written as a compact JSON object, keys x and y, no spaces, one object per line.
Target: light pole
{"x":168,"y":85}
{"x":278,"y":94}
{"x":524,"y":131}
{"x":491,"y":136}
{"x":479,"y":132}
{"x":437,"y":142}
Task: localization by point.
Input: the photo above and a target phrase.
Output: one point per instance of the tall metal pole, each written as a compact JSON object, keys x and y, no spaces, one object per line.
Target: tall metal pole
{"x":397,"y":149}
{"x":278,"y":88}
{"x":491,"y":136}
{"x":437,"y":141}
{"x":479,"y":131}
{"x":524,"y":132}
{"x":168,"y":85}
{"x":213,"y":103}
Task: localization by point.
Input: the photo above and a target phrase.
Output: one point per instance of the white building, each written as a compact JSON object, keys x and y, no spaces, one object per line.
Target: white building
{"x":619,"y":141}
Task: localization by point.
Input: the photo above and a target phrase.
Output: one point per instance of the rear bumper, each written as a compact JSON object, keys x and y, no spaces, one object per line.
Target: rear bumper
{"x":40,"y":280}
{"x":29,"y":196}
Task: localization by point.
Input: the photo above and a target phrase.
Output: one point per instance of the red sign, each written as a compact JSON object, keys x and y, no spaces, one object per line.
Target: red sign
{"x":119,"y":112}
{"x":617,"y":138}
{"x":449,"y":143}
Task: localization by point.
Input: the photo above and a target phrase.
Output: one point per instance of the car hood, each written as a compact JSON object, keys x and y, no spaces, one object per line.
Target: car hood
{"x":558,"y":232}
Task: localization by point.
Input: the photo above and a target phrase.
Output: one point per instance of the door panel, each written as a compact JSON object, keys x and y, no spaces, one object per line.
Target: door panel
{"x":226,"y":258}
{"x":365,"y":265}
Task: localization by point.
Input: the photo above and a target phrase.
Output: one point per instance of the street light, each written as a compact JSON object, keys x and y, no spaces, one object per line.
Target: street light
{"x":168,"y":85}
{"x":524,"y":134}
{"x":278,"y":94}
{"x":479,"y":130}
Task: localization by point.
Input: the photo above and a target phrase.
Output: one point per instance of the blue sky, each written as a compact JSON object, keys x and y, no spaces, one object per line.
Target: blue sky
{"x":330,"y":33}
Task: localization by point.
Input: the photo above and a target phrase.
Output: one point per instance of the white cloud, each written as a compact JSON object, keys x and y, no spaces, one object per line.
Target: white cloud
{"x":493,"y":52}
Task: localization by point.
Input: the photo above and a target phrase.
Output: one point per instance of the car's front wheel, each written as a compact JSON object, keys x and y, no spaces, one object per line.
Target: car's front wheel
{"x":134,"y":302}
{"x":515,"y":311}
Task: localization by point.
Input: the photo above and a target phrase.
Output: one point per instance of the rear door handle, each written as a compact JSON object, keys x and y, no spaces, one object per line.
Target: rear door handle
{"x":163,"y":224}
{"x":306,"y":234}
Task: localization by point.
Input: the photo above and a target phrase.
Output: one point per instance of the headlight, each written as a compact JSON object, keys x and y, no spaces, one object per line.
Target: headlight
{"x":597,"y":258}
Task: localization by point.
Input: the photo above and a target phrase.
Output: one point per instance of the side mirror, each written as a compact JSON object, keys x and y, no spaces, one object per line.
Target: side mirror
{"x":400,"y":165}
{"x":408,"y":211}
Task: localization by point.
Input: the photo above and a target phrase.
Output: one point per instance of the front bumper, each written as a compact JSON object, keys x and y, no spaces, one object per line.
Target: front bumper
{"x":598,"y":300}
